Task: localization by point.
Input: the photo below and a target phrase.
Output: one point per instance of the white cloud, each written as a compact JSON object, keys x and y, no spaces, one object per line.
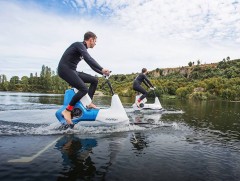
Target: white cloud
{"x":133,"y":34}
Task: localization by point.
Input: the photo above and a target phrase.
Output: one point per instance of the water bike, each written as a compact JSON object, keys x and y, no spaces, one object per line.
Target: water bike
{"x":145,"y":106}
{"x":112,"y":116}
{"x":141,"y":118}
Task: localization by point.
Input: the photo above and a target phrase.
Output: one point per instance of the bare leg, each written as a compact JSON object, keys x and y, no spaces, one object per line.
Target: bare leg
{"x":138,"y":103}
{"x":91,"y":105}
{"x":67,"y":116}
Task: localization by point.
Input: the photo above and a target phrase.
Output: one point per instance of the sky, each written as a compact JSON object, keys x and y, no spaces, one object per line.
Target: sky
{"x":131,"y":34}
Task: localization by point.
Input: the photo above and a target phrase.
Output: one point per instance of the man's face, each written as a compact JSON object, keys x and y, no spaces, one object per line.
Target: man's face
{"x":92,"y":42}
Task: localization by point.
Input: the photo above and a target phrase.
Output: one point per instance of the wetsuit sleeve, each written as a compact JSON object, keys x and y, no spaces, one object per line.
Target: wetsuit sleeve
{"x":89,"y":60}
{"x":96,"y":70}
{"x":147,"y":82}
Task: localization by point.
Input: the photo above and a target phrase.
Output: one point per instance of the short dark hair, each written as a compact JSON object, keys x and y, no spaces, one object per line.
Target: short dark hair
{"x":89,"y":35}
{"x":144,"y":70}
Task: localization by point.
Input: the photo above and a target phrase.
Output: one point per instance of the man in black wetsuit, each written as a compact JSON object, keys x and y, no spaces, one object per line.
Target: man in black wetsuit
{"x":67,"y":71}
{"x":137,"y":85}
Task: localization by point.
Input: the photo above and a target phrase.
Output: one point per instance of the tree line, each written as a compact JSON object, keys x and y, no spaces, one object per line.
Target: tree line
{"x":46,"y":82}
{"x":201,"y":82}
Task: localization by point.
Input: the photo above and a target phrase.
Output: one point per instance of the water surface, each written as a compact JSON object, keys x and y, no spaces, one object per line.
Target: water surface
{"x":187,"y":141}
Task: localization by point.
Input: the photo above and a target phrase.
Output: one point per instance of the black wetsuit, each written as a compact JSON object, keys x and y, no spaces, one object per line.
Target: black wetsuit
{"x":137,"y":84}
{"x":67,"y":70}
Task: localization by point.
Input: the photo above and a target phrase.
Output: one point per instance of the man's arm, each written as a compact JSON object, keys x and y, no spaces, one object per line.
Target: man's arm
{"x":89,"y":60}
{"x":146,"y":81}
{"x":97,"y":70}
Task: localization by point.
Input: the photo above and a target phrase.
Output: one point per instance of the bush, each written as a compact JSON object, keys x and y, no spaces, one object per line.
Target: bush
{"x":200,"y":95}
{"x":228,"y":94}
{"x":182,"y":92}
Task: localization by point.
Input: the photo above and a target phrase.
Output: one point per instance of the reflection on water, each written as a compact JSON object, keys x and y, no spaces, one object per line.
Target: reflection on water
{"x":139,"y":142}
{"x":49,"y":99}
{"x":217,"y":115}
{"x":211,"y":122}
{"x":143,"y":117}
{"x":26,"y":101}
{"x":77,"y":161}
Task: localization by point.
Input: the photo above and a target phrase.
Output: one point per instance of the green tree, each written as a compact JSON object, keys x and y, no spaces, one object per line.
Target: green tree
{"x":3,"y":82}
{"x":190,"y":64}
{"x":13,"y":83}
{"x":198,"y":62}
{"x":24,"y":83}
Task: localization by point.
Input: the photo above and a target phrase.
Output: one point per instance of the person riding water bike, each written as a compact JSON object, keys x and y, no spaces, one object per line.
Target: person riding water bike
{"x":137,"y":85}
{"x":67,"y":71}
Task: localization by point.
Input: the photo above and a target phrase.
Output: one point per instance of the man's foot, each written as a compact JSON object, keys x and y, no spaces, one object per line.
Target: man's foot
{"x":92,"y":106}
{"x":138,"y":104}
{"x":67,"y":116}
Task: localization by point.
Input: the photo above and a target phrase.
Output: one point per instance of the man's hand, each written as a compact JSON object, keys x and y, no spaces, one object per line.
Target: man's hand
{"x":105,"y":71}
{"x":152,"y":88}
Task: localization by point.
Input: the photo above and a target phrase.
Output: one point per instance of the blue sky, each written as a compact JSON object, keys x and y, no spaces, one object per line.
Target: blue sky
{"x":131,"y":34}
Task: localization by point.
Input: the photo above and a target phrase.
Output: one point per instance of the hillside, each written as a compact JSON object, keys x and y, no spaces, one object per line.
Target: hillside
{"x":202,"y":81}
{"x":206,"y":81}
{"x":184,"y":70}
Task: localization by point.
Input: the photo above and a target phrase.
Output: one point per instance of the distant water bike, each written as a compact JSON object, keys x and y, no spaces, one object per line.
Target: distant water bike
{"x":145,"y":106}
{"x":112,"y":116}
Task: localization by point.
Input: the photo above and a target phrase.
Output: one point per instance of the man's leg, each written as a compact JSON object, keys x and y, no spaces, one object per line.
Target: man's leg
{"x":89,"y":79}
{"x":138,"y":88}
{"x":71,"y":77}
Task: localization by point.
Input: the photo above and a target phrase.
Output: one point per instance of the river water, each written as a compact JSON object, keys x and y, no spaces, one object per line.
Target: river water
{"x":187,"y":141}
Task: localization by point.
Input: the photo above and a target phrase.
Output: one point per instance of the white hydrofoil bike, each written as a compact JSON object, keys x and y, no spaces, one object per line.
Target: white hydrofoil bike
{"x":114,"y":115}
{"x":147,"y":106}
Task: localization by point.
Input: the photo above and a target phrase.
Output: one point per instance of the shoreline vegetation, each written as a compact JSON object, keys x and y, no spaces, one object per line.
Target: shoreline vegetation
{"x":196,"y":81}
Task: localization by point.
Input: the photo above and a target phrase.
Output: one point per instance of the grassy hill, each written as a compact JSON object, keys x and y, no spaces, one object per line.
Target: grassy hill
{"x":202,"y":81}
